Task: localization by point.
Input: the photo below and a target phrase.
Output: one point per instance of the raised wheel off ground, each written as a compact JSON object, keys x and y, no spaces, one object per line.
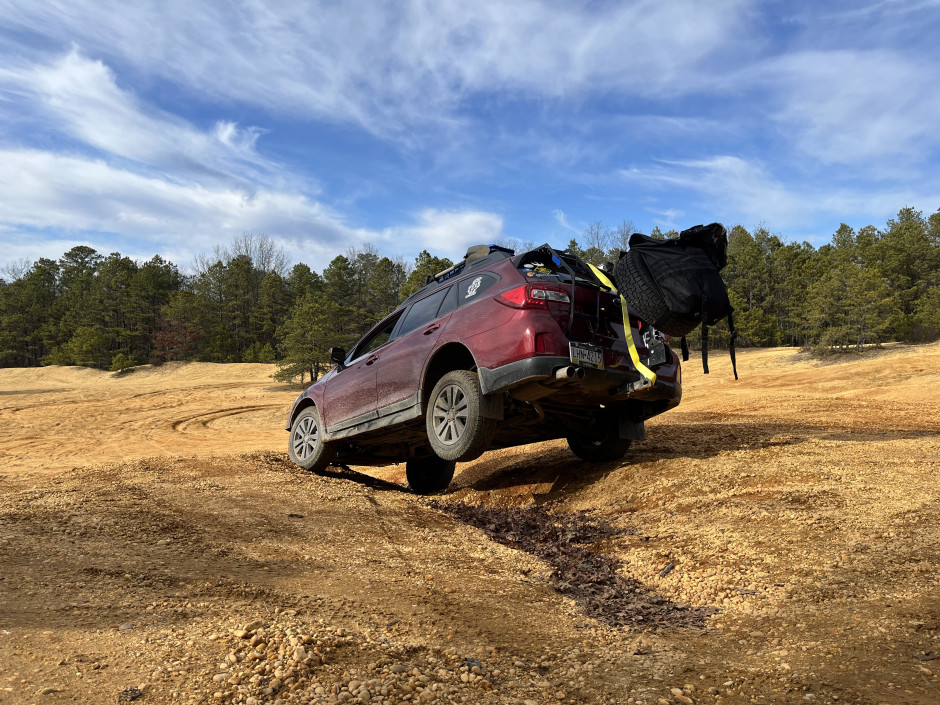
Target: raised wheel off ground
{"x":456,"y":429}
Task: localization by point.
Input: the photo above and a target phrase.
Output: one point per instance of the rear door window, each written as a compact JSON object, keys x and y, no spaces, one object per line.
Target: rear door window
{"x":450,"y":303}
{"x":422,"y":311}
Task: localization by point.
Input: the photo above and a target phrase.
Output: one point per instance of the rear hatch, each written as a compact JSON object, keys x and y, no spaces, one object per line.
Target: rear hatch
{"x":596,"y":319}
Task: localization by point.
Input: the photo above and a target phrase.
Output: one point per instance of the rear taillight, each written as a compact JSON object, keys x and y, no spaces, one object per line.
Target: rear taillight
{"x":532,"y":296}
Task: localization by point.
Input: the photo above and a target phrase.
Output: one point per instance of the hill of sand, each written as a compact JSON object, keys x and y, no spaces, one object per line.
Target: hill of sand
{"x":776,"y":539}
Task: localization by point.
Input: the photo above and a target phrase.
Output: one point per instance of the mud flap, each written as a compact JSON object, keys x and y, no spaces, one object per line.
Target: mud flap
{"x":632,"y":430}
{"x":491,"y":406}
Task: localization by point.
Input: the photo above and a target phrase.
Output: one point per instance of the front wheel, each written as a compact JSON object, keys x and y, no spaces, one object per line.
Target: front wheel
{"x":306,"y":447}
{"x":456,"y":428}
{"x":603,"y":444}
{"x":429,"y":474}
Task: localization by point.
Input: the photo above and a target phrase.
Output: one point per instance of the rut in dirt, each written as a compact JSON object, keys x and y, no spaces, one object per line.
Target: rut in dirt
{"x":570,"y":544}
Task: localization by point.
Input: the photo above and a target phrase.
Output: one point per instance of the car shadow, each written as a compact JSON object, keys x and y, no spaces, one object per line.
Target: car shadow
{"x":556,"y":471}
{"x":347,"y":473}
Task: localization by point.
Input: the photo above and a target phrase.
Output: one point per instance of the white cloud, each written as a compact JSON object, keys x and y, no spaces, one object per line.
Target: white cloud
{"x":668,"y":217}
{"x":79,"y":98}
{"x":853,"y":107}
{"x":390,"y":67}
{"x":83,"y":201}
{"x":733,"y":189}
{"x":78,"y":195}
{"x":559,"y":215}
{"x":446,"y":233}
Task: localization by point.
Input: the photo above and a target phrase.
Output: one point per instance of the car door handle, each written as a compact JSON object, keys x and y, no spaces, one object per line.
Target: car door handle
{"x":431,"y":329}
{"x":372,"y":358}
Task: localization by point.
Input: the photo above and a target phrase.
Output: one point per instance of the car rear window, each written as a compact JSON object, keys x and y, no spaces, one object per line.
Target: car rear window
{"x":470,"y":289}
{"x":423,"y":311}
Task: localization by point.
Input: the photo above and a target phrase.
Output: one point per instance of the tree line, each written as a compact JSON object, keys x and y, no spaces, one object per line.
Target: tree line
{"x":247,"y":303}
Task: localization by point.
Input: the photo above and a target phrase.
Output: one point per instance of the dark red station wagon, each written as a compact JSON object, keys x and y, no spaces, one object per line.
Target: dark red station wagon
{"x":499,"y":350}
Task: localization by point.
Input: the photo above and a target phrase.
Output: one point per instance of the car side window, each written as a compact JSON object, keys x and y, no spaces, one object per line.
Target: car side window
{"x":377,"y":338}
{"x":450,"y":303}
{"x":423,"y":311}
{"x":470,"y":289}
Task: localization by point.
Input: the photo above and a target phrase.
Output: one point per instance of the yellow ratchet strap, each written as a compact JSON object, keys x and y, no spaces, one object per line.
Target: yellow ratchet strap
{"x":627,"y":333}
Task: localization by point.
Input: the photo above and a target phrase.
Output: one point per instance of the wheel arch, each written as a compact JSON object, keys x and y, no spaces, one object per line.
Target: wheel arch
{"x":301,"y":405}
{"x":452,"y":356}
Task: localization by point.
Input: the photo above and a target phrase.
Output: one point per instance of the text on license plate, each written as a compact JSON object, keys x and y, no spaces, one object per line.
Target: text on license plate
{"x":587,"y":355}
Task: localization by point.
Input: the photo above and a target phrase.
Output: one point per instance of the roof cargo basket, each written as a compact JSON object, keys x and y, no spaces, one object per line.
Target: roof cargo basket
{"x":475,"y":253}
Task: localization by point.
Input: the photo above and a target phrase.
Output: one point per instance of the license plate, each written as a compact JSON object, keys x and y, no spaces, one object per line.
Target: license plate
{"x":587,"y":355}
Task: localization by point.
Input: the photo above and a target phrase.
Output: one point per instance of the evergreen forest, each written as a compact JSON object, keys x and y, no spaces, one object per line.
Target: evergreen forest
{"x":247,"y":303}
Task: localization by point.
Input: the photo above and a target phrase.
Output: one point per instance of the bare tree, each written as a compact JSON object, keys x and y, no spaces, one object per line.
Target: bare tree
{"x":15,"y":269}
{"x":621,"y":237}
{"x":597,"y":239}
{"x":514,"y":243}
{"x":265,"y":254}
{"x":597,"y":236}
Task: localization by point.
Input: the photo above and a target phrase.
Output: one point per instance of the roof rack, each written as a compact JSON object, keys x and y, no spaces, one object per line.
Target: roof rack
{"x":474,"y":254}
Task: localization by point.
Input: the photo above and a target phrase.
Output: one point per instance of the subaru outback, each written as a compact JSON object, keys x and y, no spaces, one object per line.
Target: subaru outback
{"x":497,"y":351}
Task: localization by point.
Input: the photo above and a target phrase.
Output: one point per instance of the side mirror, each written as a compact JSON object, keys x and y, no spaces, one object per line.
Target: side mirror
{"x":338,"y":355}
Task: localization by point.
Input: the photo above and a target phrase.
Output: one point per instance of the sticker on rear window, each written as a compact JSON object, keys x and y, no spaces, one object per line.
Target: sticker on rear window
{"x":472,"y":290}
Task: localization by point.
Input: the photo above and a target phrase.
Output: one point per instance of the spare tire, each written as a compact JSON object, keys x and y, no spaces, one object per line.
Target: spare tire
{"x":637,"y":285}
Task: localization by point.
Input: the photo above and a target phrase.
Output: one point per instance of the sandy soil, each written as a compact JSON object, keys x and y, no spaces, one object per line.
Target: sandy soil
{"x":156,"y":545}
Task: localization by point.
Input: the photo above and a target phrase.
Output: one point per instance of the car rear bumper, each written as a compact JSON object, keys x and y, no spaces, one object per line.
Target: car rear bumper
{"x":596,"y":386}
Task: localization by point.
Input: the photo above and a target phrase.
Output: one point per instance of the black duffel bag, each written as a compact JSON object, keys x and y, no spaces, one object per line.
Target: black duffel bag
{"x":676,"y":285}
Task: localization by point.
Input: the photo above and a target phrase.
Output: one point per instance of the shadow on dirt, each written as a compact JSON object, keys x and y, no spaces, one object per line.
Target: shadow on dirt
{"x":560,"y":472}
{"x":346,"y":473}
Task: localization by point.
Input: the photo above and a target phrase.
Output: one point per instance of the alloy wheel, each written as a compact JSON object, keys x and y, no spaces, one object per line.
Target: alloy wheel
{"x":451,"y":411}
{"x":305,"y":436}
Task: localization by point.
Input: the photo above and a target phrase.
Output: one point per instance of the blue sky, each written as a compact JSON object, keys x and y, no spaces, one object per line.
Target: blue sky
{"x":171,"y":127}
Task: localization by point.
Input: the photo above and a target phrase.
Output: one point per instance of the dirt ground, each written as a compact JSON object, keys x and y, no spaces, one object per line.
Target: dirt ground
{"x":156,"y":546}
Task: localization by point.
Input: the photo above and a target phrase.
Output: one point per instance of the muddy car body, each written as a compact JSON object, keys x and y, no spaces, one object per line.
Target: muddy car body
{"x":498,"y":351}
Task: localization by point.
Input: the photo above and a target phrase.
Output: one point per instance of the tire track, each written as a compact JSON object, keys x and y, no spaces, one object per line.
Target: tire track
{"x":203,"y":420}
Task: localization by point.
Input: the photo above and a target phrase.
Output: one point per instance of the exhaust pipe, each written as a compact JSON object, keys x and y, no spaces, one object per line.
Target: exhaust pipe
{"x":562,"y":377}
{"x":569,"y":373}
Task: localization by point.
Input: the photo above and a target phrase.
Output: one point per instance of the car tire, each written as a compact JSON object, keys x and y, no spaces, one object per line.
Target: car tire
{"x":456,"y":429}
{"x":603,"y":444}
{"x":634,"y":281}
{"x":638,"y":286}
{"x":429,"y":474}
{"x":306,"y":447}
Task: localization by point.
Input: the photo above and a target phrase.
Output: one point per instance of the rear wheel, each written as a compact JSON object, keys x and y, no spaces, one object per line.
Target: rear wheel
{"x":603,"y":443}
{"x":456,"y":429}
{"x":306,"y":447}
{"x":429,"y":474}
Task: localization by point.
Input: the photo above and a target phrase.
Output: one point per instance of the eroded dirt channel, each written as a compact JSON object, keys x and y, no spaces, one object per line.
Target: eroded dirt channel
{"x":774,"y":540}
